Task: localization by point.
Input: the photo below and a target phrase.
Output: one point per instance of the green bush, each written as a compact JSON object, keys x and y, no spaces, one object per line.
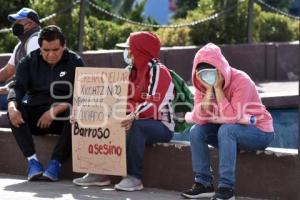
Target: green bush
{"x":67,"y":21}
{"x":203,"y":32}
{"x":102,"y":34}
{"x":230,"y":28}
{"x":7,"y":42}
{"x":275,"y":28}
{"x":296,"y":29}
{"x":174,"y":37}
{"x":99,"y":34}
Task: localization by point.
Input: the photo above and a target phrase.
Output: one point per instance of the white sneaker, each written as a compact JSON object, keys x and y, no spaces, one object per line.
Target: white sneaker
{"x":92,"y":179}
{"x":129,"y":183}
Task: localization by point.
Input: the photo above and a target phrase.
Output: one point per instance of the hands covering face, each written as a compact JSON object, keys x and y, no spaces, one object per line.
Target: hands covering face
{"x":219,"y":81}
{"x":211,"y":79}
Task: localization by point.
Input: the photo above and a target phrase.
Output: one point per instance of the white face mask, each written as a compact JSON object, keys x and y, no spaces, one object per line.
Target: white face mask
{"x":208,"y":76}
{"x":126,"y":57}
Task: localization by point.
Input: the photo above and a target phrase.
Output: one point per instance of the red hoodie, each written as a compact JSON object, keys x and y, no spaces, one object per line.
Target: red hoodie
{"x":152,"y":91}
{"x":241,"y":97}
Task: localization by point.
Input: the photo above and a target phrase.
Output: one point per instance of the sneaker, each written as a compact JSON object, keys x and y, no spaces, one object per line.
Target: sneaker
{"x":53,"y":170}
{"x":224,"y":193}
{"x":92,"y":179}
{"x":35,"y":169}
{"x":129,"y":183}
{"x":198,"y":190}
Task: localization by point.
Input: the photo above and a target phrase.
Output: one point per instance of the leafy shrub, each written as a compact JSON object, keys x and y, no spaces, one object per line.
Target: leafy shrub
{"x":102,"y":34}
{"x":103,"y":31}
{"x":231,"y":27}
{"x":174,"y":37}
{"x":275,"y":28}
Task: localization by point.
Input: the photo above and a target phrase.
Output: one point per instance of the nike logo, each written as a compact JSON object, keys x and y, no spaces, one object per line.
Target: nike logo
{"x":63,"y":73}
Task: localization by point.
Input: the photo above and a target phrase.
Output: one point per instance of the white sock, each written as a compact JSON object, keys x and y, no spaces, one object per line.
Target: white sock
{"x":32,"y":157}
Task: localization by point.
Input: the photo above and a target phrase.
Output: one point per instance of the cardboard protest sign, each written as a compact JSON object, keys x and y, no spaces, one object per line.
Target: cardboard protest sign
{"x":99,"y":105}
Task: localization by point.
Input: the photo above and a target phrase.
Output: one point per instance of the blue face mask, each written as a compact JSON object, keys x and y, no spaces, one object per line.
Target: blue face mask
{"x":209,"y":76}
{"x":126,"y":57}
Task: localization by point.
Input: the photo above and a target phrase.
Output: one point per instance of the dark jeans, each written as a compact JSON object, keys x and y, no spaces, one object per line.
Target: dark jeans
{"x":23,"y":134}
{"x":142,"y":133}
{"x":3,"y":100}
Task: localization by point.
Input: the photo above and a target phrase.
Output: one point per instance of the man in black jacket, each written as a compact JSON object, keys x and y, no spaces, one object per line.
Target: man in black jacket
{"x":46,"y":76}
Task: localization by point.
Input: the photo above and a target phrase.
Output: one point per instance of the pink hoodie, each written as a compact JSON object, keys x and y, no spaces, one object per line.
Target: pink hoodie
{"x":241,"y":97}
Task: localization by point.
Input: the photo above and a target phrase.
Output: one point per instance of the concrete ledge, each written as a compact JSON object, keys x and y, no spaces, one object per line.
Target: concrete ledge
{"x":271,"y":174}
{"x":12,"y":160}
{"x":281,"y":102}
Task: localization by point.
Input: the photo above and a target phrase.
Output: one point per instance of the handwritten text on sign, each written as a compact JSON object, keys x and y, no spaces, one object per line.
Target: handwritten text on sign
{"x":99,"y":104}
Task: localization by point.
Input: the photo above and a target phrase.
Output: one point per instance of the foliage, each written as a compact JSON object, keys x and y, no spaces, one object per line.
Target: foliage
{"x":279,"y":4}
{"x":174,"y":37}
{"x":103,"y":31}
{"x":7,"y":42}
{"x":105,"y":4}
{"x":296,"y":29}
{"x":231,"y":27}
{"x":67,"y":20}
{"x":183,"y":6}
{"x":122,"y":7}
{"x":275,"y":28}
{"x":129,"y":9}
{"x":8,"y":7}
{"x":100,"y":33}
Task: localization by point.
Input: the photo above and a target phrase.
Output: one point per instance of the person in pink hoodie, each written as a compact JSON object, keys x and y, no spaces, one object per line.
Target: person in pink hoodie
{"x":229,"y":115}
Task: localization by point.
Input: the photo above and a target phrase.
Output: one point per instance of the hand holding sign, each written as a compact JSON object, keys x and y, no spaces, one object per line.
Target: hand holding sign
{"x":127,"y":122}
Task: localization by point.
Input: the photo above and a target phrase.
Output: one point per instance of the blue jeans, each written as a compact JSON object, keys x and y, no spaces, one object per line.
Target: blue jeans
{"x":142,"y":133}
{"x":228,"y":138}
{"x":3,"y":99}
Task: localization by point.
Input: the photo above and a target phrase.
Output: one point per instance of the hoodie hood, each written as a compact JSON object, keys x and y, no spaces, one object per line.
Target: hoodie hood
{"x":144,"y":46}
{"x":212,"y":55}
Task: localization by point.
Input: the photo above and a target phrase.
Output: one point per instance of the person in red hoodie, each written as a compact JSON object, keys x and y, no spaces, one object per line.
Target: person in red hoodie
{"x":229,"y":115}
{"x":150,"y":115}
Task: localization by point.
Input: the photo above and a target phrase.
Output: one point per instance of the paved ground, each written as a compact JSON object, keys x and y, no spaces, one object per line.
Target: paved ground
{"x":17,"y":188}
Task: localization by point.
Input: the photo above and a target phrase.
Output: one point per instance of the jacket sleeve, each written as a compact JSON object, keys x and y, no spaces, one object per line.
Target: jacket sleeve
{"x":18,"y":89}
{"x":197,"y":115}
{"x":78,"y":63}
{"x":160,"y":81}
{"x":233,"y":110}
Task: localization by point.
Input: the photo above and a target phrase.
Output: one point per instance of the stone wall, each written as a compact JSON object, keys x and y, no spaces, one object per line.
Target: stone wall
{"x":263,"y":62}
